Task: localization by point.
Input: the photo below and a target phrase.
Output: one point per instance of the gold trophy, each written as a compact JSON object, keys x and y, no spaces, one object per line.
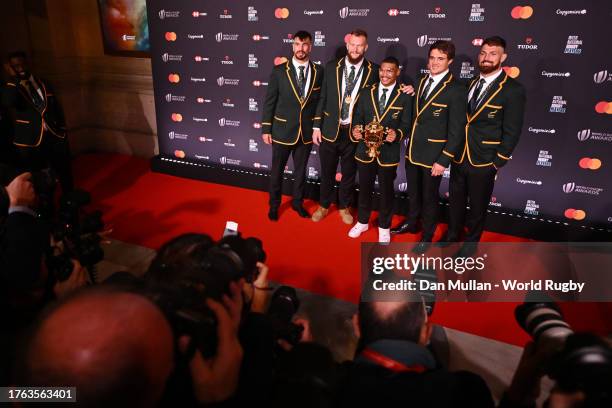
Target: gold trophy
{"x":374,"y":137}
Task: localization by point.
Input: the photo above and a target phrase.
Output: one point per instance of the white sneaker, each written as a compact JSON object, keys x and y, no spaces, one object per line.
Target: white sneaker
{"x":357,"y":230}
{"x":384,"y":235}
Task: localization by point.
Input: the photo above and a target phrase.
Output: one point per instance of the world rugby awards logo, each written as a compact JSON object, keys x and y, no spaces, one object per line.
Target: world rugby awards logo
{"x":219,"y":37}
{"x":600,"y":77}
{"x":422,"y":41}
{"x":222,"y":123}
{"x":344,"y":12}
{"x":220,"y":81}
{"x":584,"y":135}
{"x":569,"y":187}
{"x":223,"y":160}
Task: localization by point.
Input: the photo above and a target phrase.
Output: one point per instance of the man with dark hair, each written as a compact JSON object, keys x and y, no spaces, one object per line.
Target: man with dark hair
{"x":39,"y":127}
{"x":343,"y":80}
{"x":391,"y":108}
{"x":288,"y":114}
{"x":392,"y":362}
{"x":438,"y":123}
{"x":496,"y":106}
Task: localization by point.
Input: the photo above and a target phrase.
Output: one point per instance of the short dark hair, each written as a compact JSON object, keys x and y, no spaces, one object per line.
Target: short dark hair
{"x":446,"y":47}
{"x":17,"y":54}
{"x":358,"y":32}
{"x":303,"y":35}
{"x":403,"y":323}
{"x":495,"y":40}
{"x":391,"y":60}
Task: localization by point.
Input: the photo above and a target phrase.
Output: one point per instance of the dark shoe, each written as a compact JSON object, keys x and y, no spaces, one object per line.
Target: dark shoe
{"x":446,"y":241}
{"x":468,"y":249}
{"x":421,"y":247}
{"x":300,"y":210}
{"x":406,"y":228}
{"x":273,"y":214}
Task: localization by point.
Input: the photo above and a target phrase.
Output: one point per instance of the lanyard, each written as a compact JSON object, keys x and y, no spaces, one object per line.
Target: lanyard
{"x":351,"y":85}
{"x":389,"y":363}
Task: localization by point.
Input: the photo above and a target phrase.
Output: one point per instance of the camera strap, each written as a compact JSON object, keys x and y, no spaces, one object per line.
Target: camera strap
{"x":389,"y":363}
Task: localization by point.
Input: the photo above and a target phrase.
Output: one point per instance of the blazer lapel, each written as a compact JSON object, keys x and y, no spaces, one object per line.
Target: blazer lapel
{"x":374,"y":98}
{"x":395,"y":93}
{"x":291,"y":77}
{"x":491,"y":92}
{"x":339,"y":71}
{"x":313,"y":79}
{"x":366,"y":74}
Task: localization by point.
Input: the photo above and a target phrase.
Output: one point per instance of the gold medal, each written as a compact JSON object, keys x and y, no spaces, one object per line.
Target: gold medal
{"x":348,"y":99}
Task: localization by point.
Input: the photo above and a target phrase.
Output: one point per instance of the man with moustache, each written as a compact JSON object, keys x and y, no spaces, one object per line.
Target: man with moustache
{"x":496,"y":105}
{"x":288,"y":113}
{"x":343,"y":80}
{"x":438,"y":123}
{"x":392,"y":108}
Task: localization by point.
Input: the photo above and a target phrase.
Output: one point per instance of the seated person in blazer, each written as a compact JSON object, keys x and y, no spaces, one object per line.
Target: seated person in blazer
{"x":437,"y":135}
{"x":386,"y":103}
{"x":288,"y":114}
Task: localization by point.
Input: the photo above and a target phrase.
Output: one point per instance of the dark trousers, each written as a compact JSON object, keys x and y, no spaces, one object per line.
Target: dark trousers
{"x":367,"y":177}
{"x":280,"y":155}
{"x":473,"y":184}
{"x":423,"y":189}
{"x":342,"y":150}
{"x":53,"y":153}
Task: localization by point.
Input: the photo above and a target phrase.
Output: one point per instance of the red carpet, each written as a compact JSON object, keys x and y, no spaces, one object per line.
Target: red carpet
{"x":147,"y":208}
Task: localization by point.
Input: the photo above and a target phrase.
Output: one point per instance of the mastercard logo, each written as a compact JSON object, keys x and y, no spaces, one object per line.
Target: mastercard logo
{"x":604,"y":107}
{"x":174,"y":78}
{"x":347,"y":38}
{"x":279,"y":60}
{"x":512,"y":72}
{"x":573,"y":214}
{"x":179,"y":153}
{"x":281,"y":13}
{"x":257,"y":125}
{"x":170,"y":36}
{"x":338,"y":177}
{"x":521,"y":12}
{"x":590,"y":164}
{"x":177,"y":117}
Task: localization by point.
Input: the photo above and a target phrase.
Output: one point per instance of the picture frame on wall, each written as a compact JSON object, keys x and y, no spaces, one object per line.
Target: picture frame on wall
{"x":125,"y":28}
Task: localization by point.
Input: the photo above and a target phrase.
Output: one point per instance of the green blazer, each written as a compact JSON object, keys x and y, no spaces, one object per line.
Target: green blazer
{"x":437,"y":133}
{"x":330,"y":103}
{"x":396,"y":116}
{"x":493,"y":131}
{"x":29,"y":121}
{"x":285,"y":116}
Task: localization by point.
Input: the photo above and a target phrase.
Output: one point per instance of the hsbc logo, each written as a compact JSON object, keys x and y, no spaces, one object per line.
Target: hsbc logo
{"x":395,"y":12}
{"x":477,"y":42}
{"x":569,"y":187}
{"x":259,"y":37}
{"x":256,"y":125}
{"x":602,"y":76}
{"x":202,"y":100}
{"x":196,"y":14}
{"x":204,"y":139}
{"x":259,"y":83}
{"x":199,"y":58}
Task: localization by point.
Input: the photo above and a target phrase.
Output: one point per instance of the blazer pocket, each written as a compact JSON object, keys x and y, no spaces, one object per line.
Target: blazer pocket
{"x":439,"y":105}
{"x":396,"y":108}
{"x":325,"y":113}
{"x":280,"y":119}
{"x":316,"y":89}
{"x":22,"y":121}
{"x":494,"y":106}
{"x":437,"y":140}
{"x":491,"y":142}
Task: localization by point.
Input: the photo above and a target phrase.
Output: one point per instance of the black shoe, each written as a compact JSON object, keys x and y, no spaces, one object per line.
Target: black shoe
{"x":300,"y":210}
{"x":468,"y":249}
{"x":446,"y":241}
{"x":273,"y":214}
{"x":406,"y":228}
{"x":421,"y":247}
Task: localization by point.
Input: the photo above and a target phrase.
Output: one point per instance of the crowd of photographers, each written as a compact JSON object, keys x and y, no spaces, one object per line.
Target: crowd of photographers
{"x":204,"y":326}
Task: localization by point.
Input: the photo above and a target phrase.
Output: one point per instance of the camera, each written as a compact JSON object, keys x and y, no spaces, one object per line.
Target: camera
{"x":283,"y":306}
{"x":245,"y":252}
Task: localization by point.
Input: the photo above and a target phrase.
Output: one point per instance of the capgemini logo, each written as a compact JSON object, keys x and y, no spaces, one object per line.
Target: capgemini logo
{"x":422,"y":41}
{"x":222,"y":123}
{"x":600,"y":77}
{"x":220,"y":81}
{"x":219,"y":37}
{"x":223,"y":160}
{"x":344,"y":12}
{"x":569,"y":187}
{"x":584,"y":134}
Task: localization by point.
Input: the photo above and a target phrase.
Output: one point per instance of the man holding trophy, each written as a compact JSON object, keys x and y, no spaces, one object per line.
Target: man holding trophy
{"x":381,"y":119}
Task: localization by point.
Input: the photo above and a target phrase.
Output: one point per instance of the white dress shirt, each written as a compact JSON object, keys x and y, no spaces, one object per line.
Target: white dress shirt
{"x":306,"y":64}
{"x":488,"y":81}
{"x":380,"y":92}
{"x":436,"y":80}
{"x":348,"y":66}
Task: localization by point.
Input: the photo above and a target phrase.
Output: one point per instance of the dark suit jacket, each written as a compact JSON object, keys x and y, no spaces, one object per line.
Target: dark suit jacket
{"x":438,"y":126}
{"x":330,"y":103}
{"x":28,"y":120}
{"x":493,"y":131}
{"x":285,"y":116}
{"x":396,"y":116}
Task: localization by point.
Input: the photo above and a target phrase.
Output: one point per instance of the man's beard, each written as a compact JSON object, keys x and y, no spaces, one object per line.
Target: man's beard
{"x":305,"y":56}
{"x":352,"y":60}
{"x":487,"y":69}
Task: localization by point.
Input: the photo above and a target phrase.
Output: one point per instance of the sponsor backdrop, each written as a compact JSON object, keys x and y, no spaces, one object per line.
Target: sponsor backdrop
{"x":212,"y":61}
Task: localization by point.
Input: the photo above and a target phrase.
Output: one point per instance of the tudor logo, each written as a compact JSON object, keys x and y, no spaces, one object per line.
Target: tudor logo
{"x":569,"y":187}
{"x":422,"y":41}
{"x":584,"y":134}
